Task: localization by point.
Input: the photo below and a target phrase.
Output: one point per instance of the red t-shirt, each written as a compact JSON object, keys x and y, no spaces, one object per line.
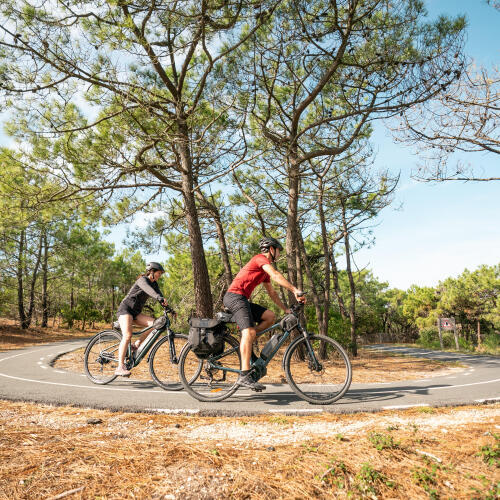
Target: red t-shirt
{"x":250,"y":276}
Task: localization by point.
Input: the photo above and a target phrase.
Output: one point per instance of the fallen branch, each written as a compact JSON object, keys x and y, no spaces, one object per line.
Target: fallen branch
{"x":67,"y":493}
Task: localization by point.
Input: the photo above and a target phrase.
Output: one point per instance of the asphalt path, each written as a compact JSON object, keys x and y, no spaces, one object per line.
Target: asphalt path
{"x":29,"y":375}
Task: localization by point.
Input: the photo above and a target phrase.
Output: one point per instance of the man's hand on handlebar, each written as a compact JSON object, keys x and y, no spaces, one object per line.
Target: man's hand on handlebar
{"x":300,"y":296}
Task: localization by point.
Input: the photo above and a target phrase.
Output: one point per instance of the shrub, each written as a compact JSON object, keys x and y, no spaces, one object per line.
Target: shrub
{"x":465,"y":344}
{"x":429,"y":337}
{"x":492,"y":342}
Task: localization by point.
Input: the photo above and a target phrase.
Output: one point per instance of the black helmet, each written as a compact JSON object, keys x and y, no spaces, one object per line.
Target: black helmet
{"x":267,"y":242}
{"x":155,"y":266}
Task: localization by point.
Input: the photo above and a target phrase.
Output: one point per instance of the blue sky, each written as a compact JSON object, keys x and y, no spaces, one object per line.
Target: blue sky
{"x":438,"y":229}
{"x":441,"y":229}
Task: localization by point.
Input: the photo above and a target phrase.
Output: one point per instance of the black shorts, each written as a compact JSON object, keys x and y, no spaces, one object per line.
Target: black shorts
{"x":124,"y":309}
{"x":245,"y":313}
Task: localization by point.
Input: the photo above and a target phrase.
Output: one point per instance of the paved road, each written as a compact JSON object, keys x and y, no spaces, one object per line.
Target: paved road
{"x":27,"y":375}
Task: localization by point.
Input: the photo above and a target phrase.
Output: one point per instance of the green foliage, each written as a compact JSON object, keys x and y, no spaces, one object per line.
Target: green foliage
{"x":491,"y":454}
{"x":429,"y":337}
{"x":382,"y":441}
{"x":368,"y":478}
{"x":427,"y":478}
{"x":492,"y":342}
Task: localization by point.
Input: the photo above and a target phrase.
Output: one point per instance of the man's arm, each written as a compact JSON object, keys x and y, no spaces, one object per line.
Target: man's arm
{"x":274,"y":296}
{"x":282,"y":281}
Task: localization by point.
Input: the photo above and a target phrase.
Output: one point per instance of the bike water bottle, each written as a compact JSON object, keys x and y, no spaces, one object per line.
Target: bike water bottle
{"x":146,"y":340}
{"x":269,"y":347}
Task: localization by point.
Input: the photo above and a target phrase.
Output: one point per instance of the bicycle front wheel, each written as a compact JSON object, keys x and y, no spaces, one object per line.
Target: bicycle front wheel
{"x":101,"y":357}
{"x":216,"y":380}
{"x":319,"y":384}
{"x":165,"y":371}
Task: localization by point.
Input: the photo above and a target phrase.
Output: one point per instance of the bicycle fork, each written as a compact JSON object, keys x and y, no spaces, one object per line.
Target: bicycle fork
{"x":173,"y":354}
{"x":314,"y":364}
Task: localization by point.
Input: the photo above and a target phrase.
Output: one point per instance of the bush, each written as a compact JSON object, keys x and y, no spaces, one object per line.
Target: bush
{"x":465,"y":344}
{"x":429,"y":337}
{"x":492,"y":342}
{"x":448,"y":341}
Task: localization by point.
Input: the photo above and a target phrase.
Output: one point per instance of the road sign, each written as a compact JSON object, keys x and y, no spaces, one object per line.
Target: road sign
{"x":447,"y":323}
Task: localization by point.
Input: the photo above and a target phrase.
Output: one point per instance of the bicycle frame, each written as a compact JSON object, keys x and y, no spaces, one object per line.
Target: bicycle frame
{"x":150,"y":341}
{"x":263,"y":363}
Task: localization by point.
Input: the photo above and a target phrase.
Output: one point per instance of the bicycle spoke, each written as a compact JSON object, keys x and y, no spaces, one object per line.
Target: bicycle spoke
{"x":101,"y":357}
{"x":212,"y":382}
{"x":320,"y":377}
{"x":163,"y":371}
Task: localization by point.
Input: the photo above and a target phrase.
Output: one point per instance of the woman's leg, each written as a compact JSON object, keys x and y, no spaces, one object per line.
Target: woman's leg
{"x":125,"y":321}
{"x":143,"y":320}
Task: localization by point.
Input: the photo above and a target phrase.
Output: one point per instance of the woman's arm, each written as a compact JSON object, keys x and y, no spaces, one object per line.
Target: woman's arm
{"x":144,"y":285}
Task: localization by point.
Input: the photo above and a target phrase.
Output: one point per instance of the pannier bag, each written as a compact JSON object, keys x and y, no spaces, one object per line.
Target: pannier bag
{"x":289,"y":322}
{"x":206,"y":337}
{"x":160,"y":322}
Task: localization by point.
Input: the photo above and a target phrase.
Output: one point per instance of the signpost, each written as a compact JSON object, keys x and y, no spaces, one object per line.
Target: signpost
{"x":447,"y":324}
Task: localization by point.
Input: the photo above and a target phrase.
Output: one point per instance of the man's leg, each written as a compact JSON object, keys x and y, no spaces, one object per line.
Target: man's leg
{"x":267,"y":319}
{"x":247,"y":340}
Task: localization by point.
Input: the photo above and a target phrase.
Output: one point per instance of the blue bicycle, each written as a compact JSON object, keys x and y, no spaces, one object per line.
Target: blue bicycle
{"x":316,"y":367}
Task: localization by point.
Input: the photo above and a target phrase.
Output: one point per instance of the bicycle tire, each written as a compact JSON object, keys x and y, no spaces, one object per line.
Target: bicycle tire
{"x":162,"y":370}
{"x":323,"y":387}
{"x":204,"y":387}
{"x":101,"y":357}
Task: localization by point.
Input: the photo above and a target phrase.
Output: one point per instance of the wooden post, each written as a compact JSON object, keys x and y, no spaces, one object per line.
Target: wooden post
{"x":440,"y":334}
{"x":456,"y":336}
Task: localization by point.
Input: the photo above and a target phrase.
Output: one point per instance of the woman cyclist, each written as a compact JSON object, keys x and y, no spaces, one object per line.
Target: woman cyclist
{"x":129,"y":311}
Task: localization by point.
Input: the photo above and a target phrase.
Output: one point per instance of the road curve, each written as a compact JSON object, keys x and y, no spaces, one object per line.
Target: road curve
{"x":28,"y":375}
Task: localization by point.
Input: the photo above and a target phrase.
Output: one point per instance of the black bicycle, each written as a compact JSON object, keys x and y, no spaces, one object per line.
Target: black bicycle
{"x":101,"y":354}
{"x":316,"y":367}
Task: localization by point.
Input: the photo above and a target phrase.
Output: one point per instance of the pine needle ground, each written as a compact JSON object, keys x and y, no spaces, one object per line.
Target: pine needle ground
{"x":56,"y":452}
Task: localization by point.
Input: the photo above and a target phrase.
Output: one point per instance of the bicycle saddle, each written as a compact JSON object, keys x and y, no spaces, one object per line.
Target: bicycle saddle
{"x":224,"y":316}
{"x":116,"y":326}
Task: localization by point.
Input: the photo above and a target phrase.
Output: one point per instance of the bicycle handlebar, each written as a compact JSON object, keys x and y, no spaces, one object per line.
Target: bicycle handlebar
{"x":168,"y":309}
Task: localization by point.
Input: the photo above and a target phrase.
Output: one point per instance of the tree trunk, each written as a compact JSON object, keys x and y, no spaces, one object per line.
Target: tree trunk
{"x":228,"y":274}
{"x":326,"y":264}
{"x":352,"y":286}
{"x":33,"y":281}
{"x":336,"y":286}
{"x":312,"y":285}
{"x":478,"y":333}
{"x":202,"y":292}
{"x":72,"y":292}
{"x":20,"y":284}
{"x":292,"y":222}
{"x":45,"y":272}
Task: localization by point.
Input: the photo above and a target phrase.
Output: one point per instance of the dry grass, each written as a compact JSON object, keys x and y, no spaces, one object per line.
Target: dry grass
{"x":12,"y":336}
{"x":417,"y":454}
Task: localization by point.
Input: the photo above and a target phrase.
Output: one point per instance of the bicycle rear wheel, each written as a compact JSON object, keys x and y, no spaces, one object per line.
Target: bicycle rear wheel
{"x":211,"y":383}
{"x":101,"y":357}
{"x":163,"y":371}
{"x":319,"y":385}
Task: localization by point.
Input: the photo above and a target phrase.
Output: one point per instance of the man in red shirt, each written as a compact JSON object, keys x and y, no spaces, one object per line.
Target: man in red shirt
{"x":245,"y":313}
